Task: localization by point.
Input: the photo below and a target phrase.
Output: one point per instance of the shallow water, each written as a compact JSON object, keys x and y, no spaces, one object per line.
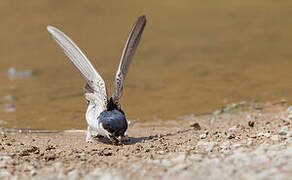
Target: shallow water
{"x":194,"y":57}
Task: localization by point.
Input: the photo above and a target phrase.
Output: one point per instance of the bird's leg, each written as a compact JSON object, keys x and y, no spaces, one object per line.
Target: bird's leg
{"x":89,"y":137}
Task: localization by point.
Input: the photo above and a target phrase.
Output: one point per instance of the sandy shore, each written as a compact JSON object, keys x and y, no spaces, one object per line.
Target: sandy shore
{"x":238,"y":142}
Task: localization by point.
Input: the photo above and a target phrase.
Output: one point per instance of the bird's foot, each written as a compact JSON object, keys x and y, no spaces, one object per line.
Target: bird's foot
{"x":89,"y":139}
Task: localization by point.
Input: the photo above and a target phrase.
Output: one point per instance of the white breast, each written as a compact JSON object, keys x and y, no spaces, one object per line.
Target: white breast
{"x":92,"y":115}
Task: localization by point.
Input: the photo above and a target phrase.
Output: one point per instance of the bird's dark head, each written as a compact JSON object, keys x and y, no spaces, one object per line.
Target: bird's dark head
{"x":115,"y":123}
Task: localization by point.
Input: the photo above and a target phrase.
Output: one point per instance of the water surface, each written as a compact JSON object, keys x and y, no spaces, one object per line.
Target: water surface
{"x":194,"y":57}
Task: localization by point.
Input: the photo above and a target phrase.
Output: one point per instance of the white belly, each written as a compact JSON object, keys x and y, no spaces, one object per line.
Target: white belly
{"x":92,"y":115}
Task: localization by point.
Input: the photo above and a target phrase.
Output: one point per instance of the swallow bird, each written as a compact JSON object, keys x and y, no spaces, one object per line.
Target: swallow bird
{"x":104,"y":115}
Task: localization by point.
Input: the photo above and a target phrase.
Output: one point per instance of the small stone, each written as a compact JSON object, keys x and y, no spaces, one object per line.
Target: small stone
{"x":251,"y":123}
{"x":203,"y":136}
{"x":196,"y":126}
{"x":217,"y":112}
{"x":161,"y":152}
{"x":106,"y":152}
{"x":289,"y":110}
{"x":131,"y":123}
{"x":267,"y":135}
{"x":208,"y":146}
{"x":283,"y":131}
{"x":233,"y":128}
{"x":201,"y":143}
{"x":236,"y":146}
{"x":33,"y":172}
{"x":231,"y":136}
{"x":253,"y":136}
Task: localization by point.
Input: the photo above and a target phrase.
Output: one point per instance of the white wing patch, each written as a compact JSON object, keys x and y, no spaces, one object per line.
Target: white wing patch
{"x":127,"y":56}
{"x":95,"y":89}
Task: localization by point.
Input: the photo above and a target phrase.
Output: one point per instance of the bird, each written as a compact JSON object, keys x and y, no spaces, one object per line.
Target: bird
{"x":105,"y":116}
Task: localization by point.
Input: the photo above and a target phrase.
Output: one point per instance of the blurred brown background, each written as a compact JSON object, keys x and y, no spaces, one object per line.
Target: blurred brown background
{"x":195,"y":56}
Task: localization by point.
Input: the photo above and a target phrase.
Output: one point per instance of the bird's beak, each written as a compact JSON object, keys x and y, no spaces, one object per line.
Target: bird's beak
{"x":114,"y":140}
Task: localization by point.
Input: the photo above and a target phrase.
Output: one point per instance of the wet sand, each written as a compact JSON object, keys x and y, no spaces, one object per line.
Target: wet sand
{"x":245,"y":141}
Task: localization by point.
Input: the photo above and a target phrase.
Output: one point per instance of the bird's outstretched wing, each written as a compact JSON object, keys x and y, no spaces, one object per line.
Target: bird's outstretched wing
{"x":95,"y":89}
{"x":127,"y":56}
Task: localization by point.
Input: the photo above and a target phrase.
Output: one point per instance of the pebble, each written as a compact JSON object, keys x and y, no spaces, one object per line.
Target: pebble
{"x":233,"y":128}
{"x":289,"y":110}
{"x":268,"y":135}
{"x":236,"y":146}
{"x":260,"y":134}
{"x":196,"y":126}
{"x":217,"y":112}
{"x":203,"y":136}
{"x":131,"y":123}
{"x":283,"y":131}
{"x":208,"y":146}
{"x":251,"y":123}
{"x":161,"y":152}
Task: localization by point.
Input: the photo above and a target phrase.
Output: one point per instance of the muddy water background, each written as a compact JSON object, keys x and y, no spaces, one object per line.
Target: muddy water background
{"x":195,"y":56}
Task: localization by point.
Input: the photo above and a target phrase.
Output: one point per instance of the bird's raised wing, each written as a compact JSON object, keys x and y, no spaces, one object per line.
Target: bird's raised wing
{"x":127,"y":56}
{"x":95,"y":89}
